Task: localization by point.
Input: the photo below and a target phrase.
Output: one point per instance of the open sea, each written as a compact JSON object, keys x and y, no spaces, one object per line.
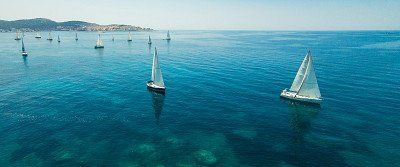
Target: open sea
{"x":68,"y":104}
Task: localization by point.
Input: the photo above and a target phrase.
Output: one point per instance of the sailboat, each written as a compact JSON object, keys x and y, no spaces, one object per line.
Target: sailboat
{"x":76,"y":36}
{"x":24,"y":53}
{"x":50,"y":38}
{"x":157,"y":82}
{"x":38,"y":36}
{"x":129,"y":37}
{"x":58,"y":39}
{"x":149,"y":41}
{"x":113,"y":39}
{"x":168,"y":37}
{"x":17,"y":37}
{"x":305,"y":86}
{"x":99,"y":43}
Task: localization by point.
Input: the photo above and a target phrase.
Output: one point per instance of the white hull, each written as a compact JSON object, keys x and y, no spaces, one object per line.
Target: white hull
{"x":294,"y":96}
{"x":151,"y":85}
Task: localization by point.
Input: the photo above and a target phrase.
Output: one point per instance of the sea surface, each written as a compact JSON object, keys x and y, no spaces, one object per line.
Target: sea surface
{"x":68,"y":104}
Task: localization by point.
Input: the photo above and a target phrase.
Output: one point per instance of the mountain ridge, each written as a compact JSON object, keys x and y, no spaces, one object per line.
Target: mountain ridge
{"x":44,"y":24}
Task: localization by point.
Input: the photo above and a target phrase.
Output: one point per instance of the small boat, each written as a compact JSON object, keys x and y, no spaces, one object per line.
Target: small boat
{"x":17,"y":37}
{"x":50,"y":38}
{"x":99,"y":43}
{"x":24,"y":53}
{"x":168,"y":37}
{"x":38,"y":36}
{"x":305,"y":86}
{"x":156,"y":83}
{"x":113,"y":39}
{"x":76,"y":36}
{"x":129,"y":37}
{"x":149,"y":41}
{"x":58,"y":39}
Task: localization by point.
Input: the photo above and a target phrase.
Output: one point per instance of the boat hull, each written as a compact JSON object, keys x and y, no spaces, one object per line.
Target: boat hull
{"x":293,"y":96}
{"x":98,"y":47}
{"x":24,"y":54}
{"x":38,"y":37}
{"x":129,"y":40}
{"x":155,"y":88}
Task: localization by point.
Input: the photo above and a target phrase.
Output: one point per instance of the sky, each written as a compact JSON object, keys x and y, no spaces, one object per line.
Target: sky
{"x":216,"y":14}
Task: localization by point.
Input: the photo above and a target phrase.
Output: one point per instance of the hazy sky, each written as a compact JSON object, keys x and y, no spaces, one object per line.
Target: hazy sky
{"x":216,"y":14}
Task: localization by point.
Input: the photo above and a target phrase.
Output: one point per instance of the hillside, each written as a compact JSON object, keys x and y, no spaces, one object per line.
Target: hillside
{"x":42,"y":24}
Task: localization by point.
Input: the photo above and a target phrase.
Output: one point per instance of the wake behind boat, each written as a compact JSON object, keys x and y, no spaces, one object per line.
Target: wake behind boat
{"x":99,"y":43}
{"x":157,"y":82}
{"x":304,"y":87}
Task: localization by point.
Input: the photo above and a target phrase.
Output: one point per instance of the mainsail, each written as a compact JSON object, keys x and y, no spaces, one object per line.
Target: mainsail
{"x":149,"y":40}
{"x":305,"y":82}
{"x":23,"y":46}
{"x":156,"y":75}
{"x":168,"y":36}
{"x":99,"y":42}
{"x":130,"y":36}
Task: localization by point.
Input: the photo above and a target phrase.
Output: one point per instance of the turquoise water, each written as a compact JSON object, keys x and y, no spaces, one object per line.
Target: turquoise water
{"x":68,"y":104}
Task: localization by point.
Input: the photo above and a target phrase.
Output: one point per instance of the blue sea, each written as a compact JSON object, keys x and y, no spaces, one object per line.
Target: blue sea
{"x":68,"y":104}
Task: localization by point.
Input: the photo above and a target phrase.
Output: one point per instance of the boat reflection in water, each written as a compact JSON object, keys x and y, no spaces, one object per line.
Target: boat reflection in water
{"x":301,"y":119}
{"x":158,"y":103}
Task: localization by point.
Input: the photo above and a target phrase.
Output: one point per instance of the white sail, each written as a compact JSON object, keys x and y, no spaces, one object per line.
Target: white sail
{"x":156,"y":75}
{"x":23,"y":45}
{"x":130,"y":37}
{"x":168,"y":36}
{"x":99,"y":41}
{"x":300,"y":75}
{"x":309,"y":86}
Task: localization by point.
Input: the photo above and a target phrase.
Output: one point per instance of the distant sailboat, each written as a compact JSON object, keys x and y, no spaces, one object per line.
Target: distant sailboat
{"x":129,"y":37}
{"x":304,"y":87}
{"x":24,"y":53}
{"x":168,"y":37}
{"x":99,"y":43}
{"x":17,"y":37}
{"x":157,"y":81}
{"x":149,"y":41}
{"x":76,"y":36}
{"x":50,"y":38}
{"x":38,"y":36}
{"x":113,"y":39}
{"x":58,"y":39}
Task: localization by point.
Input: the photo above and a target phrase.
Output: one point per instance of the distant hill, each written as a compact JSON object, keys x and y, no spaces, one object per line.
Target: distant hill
{"x":42,"y":24}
